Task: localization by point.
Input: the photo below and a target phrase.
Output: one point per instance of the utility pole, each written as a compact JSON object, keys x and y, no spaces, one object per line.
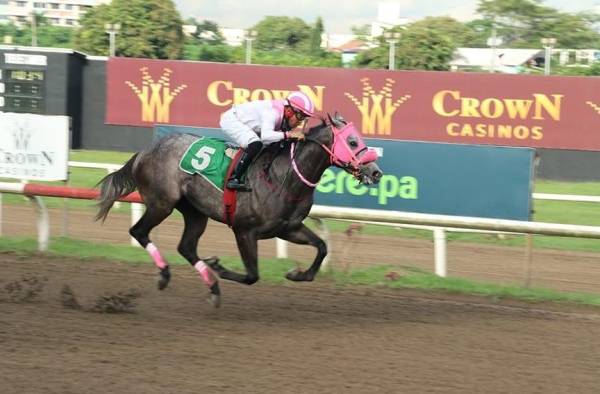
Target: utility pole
{"x":112,"y":29}
{"x":250,"y":36}
{"x":392,"y":38}
{"x":33,"y":29}
{"x":548,"y":44}
{"x":493,"y":42}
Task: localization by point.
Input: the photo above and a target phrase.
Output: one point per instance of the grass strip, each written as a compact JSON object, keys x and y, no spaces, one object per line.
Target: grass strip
{"x":273,"y":271}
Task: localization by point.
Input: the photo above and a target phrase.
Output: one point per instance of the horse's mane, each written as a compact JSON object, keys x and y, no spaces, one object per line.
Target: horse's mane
{"x":315,"y":130}
{"x":272,"y":150}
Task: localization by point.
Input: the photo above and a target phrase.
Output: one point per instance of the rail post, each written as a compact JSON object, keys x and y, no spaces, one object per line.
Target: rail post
{"x":137,"y":210}
{"x":43,"y":224}
{"x":439,"y":240}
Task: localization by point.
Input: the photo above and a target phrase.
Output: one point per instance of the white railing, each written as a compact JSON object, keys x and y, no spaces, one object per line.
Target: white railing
{"x":137,"y":210}
{"x":565,"y":197}
{"x":106,"y":166}
{"x":439,"y":224}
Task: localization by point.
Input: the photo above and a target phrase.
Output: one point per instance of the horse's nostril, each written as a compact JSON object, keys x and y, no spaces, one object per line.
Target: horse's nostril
{"x":377,"y":174}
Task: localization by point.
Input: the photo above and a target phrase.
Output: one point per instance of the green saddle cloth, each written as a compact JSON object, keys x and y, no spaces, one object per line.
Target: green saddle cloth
{"x":210,"y":158}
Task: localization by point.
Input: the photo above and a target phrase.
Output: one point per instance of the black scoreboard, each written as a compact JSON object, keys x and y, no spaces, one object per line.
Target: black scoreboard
{"x":22,"y":89}
{"x":43,"y":81}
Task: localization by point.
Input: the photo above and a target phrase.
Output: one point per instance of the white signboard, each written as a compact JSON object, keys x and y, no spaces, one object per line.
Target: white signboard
{"x":34,"y":147}
{"x":21,"y":58}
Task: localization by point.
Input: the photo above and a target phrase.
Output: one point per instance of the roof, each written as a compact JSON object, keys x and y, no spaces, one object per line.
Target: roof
{"x":482,"y":57}
{"x":351,"y":46}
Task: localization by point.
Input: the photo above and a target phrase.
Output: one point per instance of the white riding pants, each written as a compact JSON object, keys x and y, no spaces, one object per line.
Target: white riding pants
{"x":237,"y":131}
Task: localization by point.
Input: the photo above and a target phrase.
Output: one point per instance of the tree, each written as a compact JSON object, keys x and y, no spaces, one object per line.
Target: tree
{"x":207,"y":52}
{"x":287,"y":58}
{"x":522,"y":24}
{"x":283,"y":40}
{"x":455,"y":31}
{"x":12,"y":31}
{"x":207,"y":43}
{"x":53,"y":36}
{"x":91,"y":37}
{"x":283,"y":33}
{"x":140,"y":21}
{"x":361,"y":32}
{"x":47,"y":35}
{"x":419,"y":48}
{"x":593,"y":70}
{"x":208,"y":32}
{"x":316,"y":36}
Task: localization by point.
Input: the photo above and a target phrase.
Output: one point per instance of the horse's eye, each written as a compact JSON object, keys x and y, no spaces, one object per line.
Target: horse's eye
{"x":353,"y":143}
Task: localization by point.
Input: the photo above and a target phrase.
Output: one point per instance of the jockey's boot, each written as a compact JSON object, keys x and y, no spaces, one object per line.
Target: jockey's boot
{"x":235,"y":181}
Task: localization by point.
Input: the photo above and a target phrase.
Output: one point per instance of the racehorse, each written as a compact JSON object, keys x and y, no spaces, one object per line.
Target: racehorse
{"x":283,"y":178}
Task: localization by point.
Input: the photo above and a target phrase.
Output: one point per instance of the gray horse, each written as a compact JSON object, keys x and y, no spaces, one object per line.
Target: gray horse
{"x":282,"y":178}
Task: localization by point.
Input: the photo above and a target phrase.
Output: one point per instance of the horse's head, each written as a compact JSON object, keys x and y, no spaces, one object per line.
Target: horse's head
{"x":347,"y":150}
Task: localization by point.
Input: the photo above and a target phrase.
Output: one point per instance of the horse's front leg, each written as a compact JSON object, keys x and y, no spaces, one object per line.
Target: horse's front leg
{"x":304,"y":236}
{"x":247,"y":243}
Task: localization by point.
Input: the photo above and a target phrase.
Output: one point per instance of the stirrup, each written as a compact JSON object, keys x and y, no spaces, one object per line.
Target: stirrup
{"x":235,"y":184}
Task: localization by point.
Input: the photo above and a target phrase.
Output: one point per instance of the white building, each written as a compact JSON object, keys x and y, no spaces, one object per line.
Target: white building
{"x":58,"y":12}
{"x":504,"y":60}
{"x":388,"y":16}
{"x":233,"y":37}
{"x":514,"y":61}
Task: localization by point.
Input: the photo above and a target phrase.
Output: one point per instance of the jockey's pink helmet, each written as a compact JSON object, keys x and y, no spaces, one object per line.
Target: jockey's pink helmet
{"x":300,"y":102}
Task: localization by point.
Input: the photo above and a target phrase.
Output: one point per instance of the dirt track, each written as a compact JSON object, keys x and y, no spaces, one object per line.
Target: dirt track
{"x":573,"y":271}
{"x":295,"y":338}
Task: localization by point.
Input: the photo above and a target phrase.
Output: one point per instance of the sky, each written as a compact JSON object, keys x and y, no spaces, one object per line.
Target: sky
{"x":340,"y":15}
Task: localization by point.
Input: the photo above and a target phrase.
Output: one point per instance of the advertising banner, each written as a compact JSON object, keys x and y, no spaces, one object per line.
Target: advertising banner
{"x":34,"y":147}
{"x":465,"y":108}
{"x":438,"y":178}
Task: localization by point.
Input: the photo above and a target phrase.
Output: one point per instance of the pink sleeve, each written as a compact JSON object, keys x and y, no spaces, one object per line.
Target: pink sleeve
{"x":271,"y":120}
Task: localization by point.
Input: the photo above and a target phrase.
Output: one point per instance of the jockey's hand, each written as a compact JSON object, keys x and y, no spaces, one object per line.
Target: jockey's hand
{"x":296,"y":135}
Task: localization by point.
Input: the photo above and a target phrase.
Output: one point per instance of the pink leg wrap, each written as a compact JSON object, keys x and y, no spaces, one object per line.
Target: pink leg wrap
{"x":206,"y":274}
{"x":155,"y":254}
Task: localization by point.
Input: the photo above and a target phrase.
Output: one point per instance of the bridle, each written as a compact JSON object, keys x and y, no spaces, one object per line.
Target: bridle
{"x":351,"y":166}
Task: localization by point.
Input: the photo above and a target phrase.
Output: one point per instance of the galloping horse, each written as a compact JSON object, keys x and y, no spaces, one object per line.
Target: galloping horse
{"x":283,"y":178}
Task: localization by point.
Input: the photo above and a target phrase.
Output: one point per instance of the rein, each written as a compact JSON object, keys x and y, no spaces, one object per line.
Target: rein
{"x":297,"y":171}
{"x":333,"y":160}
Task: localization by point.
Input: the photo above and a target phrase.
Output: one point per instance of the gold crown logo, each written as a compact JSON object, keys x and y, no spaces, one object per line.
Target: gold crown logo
{"x":377,"y":108}
{"x":594,"y":106}
{"x":156,"y":97}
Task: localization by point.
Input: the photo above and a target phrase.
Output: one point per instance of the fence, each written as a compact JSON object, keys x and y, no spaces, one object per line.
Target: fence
{"x":437,"y":223}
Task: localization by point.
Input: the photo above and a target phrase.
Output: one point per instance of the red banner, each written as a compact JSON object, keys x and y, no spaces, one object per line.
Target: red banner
{"x":471,"y":108}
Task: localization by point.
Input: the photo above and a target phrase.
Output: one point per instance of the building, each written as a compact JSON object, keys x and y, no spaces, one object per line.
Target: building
{"x":504,"y":60}
{"x":388,"y":16}
{"x":3,"y":11}
{"x":58,"y":12}
{"x":233,"y":37}
{"x":350,"y":49}
{"x":516,"y":61}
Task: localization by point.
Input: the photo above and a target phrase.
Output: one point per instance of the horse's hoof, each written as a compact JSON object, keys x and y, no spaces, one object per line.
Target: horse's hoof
{"x":164,"y":278}
{"x":213,"y":263}
{"x":214,"y":300}
{"x":215,"y":289}
{"x":295,"y":275}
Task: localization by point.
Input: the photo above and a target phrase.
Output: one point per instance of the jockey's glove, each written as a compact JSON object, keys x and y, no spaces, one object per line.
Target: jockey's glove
{"x":296,"y":135}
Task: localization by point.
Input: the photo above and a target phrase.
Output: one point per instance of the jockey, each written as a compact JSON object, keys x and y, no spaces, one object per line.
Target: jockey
{"x":256,"y":123}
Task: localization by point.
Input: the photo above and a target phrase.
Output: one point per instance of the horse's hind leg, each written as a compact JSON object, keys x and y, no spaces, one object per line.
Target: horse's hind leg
{"x":194,"y":226}
{"x":141,"y":231}
{"x":247,"y":245}
{"x":303,"y":236}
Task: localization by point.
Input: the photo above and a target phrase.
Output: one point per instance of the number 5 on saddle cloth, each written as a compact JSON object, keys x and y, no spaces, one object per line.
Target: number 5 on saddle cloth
{"x":210,"y":158}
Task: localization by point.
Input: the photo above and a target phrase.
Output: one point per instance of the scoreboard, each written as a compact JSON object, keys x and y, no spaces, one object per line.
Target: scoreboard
{"x":22,"y":90}
{"x":23,"y":85}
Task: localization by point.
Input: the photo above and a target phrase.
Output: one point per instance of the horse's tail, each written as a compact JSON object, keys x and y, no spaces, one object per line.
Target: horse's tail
{"x":115,"y":185}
